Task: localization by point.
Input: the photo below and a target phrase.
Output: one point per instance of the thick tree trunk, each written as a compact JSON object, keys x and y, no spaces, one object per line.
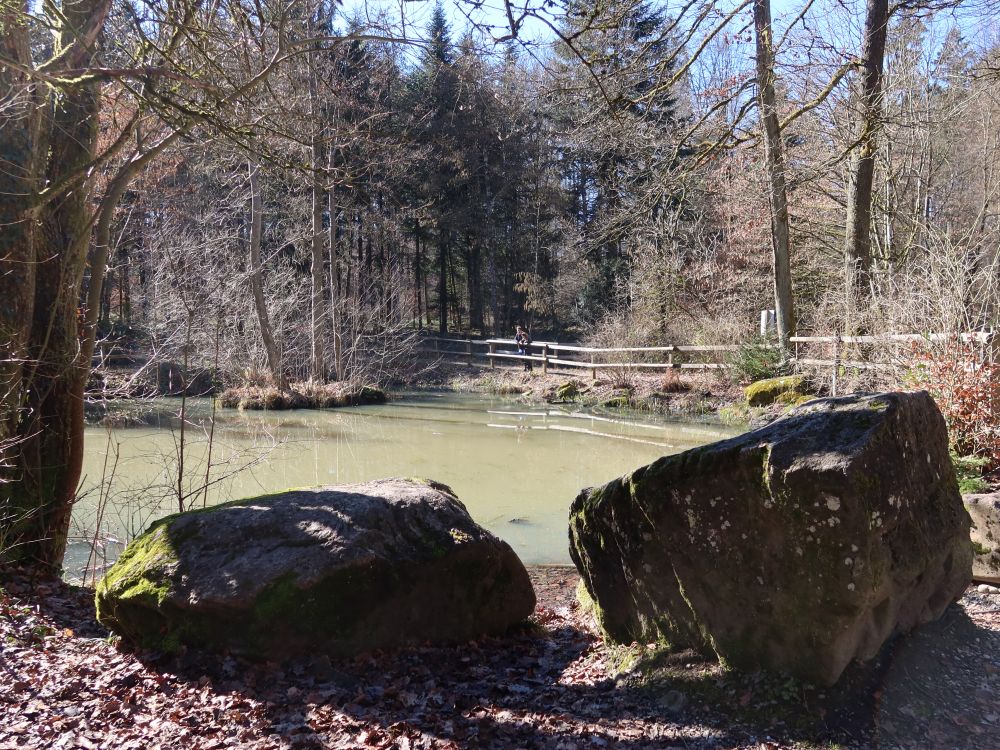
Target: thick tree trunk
{"x":858,"y":245}
{"x":19,"y":181}
{"x":43,"y":415}
{"x":257,"y":282}
{"x":778,"y":194}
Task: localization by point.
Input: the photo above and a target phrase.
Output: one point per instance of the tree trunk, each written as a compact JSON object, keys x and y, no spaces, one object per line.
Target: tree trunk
{"x":102,"y":235}
{"x":317,"y":363}
{"x":475,"y":286}
{"x":858,"y":246}
{"x":442,"y":282}
{"x":417,"y":263}
{"x":43,"y":395}
{"x":338,"y":355}
{"x":19,"y":181}
{"x":780,"y":237}
{"x":257,"y":284}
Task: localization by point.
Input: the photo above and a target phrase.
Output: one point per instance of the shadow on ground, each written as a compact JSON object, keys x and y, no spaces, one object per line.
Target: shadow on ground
{"x":541,"y":686}
{"x":943,"y":688}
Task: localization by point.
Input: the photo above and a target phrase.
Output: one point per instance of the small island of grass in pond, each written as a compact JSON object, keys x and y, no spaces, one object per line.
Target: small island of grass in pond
{"x":305,"y":395}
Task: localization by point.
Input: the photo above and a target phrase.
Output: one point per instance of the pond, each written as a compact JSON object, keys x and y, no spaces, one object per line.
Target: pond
{"x":517,"y":468}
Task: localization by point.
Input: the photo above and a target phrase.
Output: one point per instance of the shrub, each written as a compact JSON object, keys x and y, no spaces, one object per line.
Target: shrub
{"x":672,"y":383}
{"x":758,"y":358}
{"x":969,"y":472}
{"x":967,"y":390}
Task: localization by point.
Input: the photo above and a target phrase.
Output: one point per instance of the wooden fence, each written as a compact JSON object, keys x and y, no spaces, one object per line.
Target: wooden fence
{"x":837,"y":351}
{"x":551,"y":354}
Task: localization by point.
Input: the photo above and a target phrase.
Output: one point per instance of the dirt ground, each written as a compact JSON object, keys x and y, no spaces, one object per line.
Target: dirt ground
{"x":547,"y":685}
{"x":943,"y":688}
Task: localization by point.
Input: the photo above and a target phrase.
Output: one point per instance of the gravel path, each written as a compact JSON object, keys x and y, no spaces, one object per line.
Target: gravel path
{"x":942,"y":690}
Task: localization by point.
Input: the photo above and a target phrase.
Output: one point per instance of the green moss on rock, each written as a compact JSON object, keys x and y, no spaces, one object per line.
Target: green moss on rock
{"x":771,"y":390}
{"x":568,"y":391}
{"x":619,"y":401}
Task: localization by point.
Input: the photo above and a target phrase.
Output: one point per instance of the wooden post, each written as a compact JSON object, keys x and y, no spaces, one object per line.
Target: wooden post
{"x":545,"y":359}
{"x":468,"y":349}
{"x":593,"y":370}
{"x":492,"y":361}
{"x":836,"y":366}
{"x":670,"y":358}
{"x":437,"y":345}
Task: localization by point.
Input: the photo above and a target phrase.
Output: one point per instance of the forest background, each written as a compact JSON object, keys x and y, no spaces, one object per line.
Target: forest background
{"x":611,"y":187}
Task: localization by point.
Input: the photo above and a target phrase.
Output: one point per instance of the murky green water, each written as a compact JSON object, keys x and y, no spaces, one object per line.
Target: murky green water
{"x":517,"y":468}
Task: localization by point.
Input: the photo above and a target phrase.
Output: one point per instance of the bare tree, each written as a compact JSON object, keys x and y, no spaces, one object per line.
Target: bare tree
{"x":778,"y":194}
{"x":256,"y":284}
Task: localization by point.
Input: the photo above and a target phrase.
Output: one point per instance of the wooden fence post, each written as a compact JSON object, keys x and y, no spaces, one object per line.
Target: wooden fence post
{"x":593,"y":370}
{"x":836,"y":366}
{"x":545,"y":359}
{"x":492,"y":361}
{"x":468,"y":349}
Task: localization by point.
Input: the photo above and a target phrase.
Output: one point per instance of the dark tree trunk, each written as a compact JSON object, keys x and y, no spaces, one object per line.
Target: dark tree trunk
{"x":858,"y":245}
{"x":43,"y":394}
{"x":417,"y":284}
{"x":442,"y":283}
{"x":475,"y":286}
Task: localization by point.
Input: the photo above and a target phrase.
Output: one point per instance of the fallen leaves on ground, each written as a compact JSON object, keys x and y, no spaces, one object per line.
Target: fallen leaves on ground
{"x":66,"y":685}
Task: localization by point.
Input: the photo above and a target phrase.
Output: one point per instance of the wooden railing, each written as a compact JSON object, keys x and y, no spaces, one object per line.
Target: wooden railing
{"x":679,"y":356}
{"x":553,"y":354}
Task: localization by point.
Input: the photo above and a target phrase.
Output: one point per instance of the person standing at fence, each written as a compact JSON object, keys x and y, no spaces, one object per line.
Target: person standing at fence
{"x":523,"y":341}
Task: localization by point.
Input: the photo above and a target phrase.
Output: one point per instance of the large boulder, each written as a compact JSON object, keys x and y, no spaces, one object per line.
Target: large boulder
{"x":985,"y":513}
{"x":335,"y":570}
{"x":794,"y":548}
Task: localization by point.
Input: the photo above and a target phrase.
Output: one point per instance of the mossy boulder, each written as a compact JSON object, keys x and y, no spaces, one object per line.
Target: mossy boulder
{"x":336,"y":570}
{"x":794,"y":548}
{"x":775,"y":390}
{"x":568,"y":391}
{"x":985,"y":513}
{"x":618,"y":400}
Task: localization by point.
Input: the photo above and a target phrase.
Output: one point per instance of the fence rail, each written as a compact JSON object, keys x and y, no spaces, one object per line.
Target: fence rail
{"x":553,"y":354}
{"x":547,"y":353}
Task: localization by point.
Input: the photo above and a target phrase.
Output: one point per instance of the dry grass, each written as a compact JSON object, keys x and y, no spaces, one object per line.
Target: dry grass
{"x":300,"y":396}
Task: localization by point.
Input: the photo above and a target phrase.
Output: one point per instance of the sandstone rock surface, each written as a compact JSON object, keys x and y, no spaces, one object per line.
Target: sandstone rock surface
{"x":794,"y":548}
{"x":985,"y":513}
{"x":335,"y":570}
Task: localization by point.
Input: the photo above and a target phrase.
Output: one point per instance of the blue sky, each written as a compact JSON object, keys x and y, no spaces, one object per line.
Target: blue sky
{"x":977,"y":20}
